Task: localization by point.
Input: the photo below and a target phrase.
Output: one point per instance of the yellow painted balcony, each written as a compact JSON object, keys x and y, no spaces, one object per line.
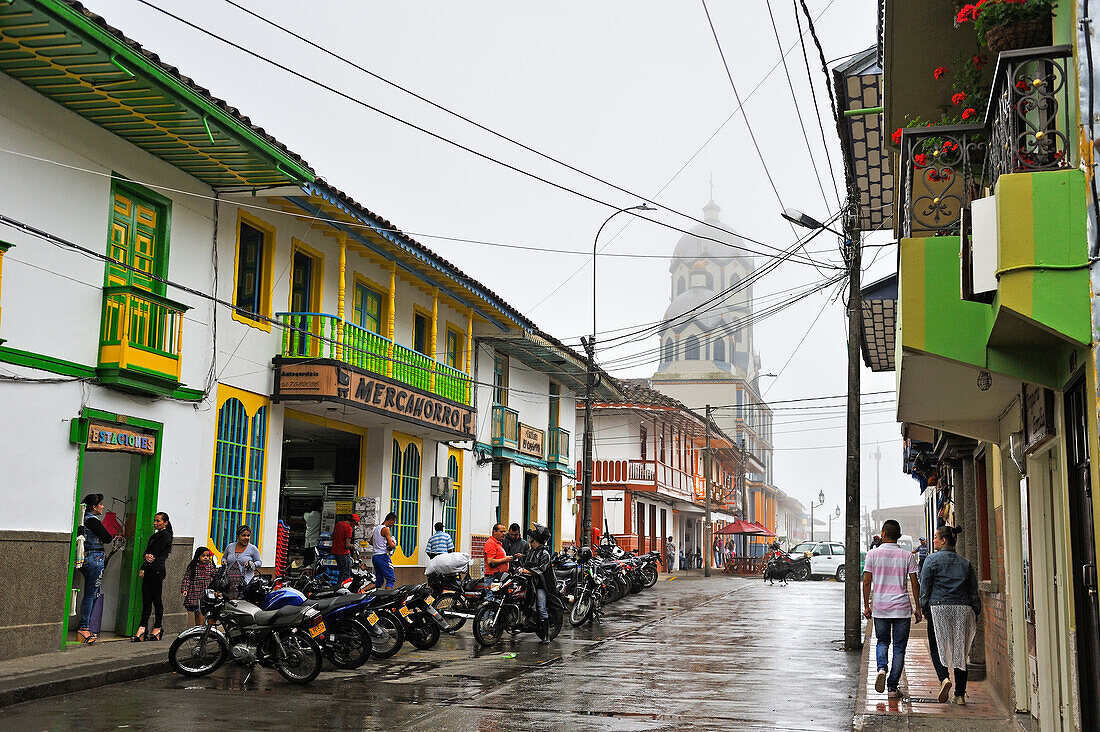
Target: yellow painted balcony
{"x":141,"y":337}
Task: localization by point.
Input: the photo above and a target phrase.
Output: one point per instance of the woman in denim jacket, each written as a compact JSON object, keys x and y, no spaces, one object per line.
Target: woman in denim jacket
{"x":949,"y":596}
{"x":95,"y":537}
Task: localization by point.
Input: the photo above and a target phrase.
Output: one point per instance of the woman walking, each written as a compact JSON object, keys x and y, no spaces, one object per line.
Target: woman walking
{"x":152,"y":573}
{"x":196,"y":578}
{"x":242,"y":558}
{"x":949,"y":596}
{"x":95,"y":537}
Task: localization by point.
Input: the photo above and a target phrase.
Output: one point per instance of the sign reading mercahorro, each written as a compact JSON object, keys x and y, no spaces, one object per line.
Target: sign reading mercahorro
{"x":332,"y":381}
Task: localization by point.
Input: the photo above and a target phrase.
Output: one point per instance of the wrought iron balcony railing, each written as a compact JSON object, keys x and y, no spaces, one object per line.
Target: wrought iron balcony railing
{"x":317,"y":335}
{"x":1028,"y":117}
{"x":941,"y":169}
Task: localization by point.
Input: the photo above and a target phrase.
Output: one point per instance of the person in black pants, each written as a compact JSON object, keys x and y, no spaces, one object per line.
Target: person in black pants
{"x":152,"y":574}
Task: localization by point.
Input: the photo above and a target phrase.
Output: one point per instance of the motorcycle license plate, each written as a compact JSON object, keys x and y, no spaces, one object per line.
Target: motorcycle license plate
{"x":429,"y":599}
{"x":372,"y":618}
{"x":405,"y":611}
{"x":317,"y":629}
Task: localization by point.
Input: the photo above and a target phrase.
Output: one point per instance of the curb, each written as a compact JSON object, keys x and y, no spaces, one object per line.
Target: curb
{"x":82,"y":682}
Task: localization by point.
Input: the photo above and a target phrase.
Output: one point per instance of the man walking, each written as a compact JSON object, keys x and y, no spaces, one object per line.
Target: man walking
{"x":514,"y":542}
{"x":922,"y":553}
{"x":440,"y":542}
{"x":670,"y":555}
{"x":341,"y":546}
{"x":382,"y":542}
{"x":892,"y":571}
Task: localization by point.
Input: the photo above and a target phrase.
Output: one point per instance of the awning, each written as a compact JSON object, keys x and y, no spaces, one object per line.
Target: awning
{"x":743,"y":527}
{"x":763,"y":530}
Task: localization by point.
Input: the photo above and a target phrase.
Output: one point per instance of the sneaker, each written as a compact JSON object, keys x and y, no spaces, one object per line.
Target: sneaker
{"x":945,"y":689}
{"x":893,"y":694}
{"x":960,"y":700}
{"x":880,"y":682}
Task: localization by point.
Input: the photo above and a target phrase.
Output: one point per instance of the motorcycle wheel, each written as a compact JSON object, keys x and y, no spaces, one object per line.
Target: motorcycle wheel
{"x":801,"y":574}
{"x":446,"y":605}
{"x":554,"y":620}
{"x":302,"y":661}
{"x":649,"y":575}
{"x":193,"y":656}
{"x":582,"y":608}
{"x":637,"y":584}
{"x":349,"y":645}
{"x":485,"y":632}
{"x":624,"y":586}
{"x":423,"y":632}
{"x":391,"y":638}
{"x":612,"y":592}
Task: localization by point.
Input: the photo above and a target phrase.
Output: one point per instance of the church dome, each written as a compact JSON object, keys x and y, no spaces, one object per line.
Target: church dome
{"x":693,"y":247}
{"x":696,"y":301}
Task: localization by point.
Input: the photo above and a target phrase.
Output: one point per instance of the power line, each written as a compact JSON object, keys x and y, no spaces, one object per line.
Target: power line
{"x":465,"y":148}
{"x":813,"y":95}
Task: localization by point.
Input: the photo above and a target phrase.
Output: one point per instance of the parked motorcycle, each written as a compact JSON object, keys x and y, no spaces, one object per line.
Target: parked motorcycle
{"x":457,"y":597}
{"x":780,"y":567}
{"x":283,"y":638}
{"x":512,"y":608}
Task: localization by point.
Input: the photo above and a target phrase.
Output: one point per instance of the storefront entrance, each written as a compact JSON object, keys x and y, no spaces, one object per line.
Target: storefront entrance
{"x":321,"y":476}
{"x":119,"y":458}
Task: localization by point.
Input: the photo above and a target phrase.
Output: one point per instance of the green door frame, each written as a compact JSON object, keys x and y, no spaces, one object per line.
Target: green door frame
{"x":553,"y":506}
{"x":147,"y":492}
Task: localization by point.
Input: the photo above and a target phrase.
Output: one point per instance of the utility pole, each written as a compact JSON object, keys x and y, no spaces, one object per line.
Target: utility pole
{"x":707,"y":548}
{"x":586,"y":485}
{"x":853,"y":619}
{"x":877,"y":455}
{"x":744,"y":498}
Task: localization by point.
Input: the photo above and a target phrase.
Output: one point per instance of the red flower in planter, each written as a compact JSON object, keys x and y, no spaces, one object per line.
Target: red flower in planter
{"x":949,"y":146}
{"x":979,"y":61}
{"x":967,"y":13}
{"x":896,"y":137}
{"x":958,"y":99}
{"x":939,"y":71}
{"x":1021,"y":86}
{"x":969,"y":112}
{"x":920,"y":160}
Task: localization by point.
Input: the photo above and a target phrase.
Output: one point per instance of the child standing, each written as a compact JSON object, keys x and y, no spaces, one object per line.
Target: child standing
{"x":196,"y":578}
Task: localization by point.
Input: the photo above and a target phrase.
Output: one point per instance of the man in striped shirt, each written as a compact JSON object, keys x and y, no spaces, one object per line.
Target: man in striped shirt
{"x":892,"y":570}
{"x":440,"y":542}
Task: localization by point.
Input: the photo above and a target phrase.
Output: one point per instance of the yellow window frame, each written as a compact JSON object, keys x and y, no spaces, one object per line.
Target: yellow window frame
{"x":267,"y":267}
{"x":403,"y":442}
{"x":317,"y":275}
{"x":456,"y":485}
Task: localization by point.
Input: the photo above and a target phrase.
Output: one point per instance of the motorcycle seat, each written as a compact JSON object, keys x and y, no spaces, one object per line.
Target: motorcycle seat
{"x":564,"y":573}
{"x":332,"y":603}
{"x":283,"y":616}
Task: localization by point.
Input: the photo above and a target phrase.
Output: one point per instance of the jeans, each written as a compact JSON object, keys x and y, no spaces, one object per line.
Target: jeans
{"x":91,"y":569}
{"x":343,"y":564}
{"x":383,"y":571}
{"x":934,"y":652}
{"x":540,"y":603}
{"x":896,"y":629}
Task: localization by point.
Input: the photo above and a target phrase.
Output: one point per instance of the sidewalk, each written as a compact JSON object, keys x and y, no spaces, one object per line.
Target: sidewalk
{"x":79,"y":668}
{"x":917,"y":709}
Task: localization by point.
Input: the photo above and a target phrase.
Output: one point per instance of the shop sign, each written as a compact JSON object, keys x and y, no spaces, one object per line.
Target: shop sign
{"x":1038,"y":417}
{"x":330,"y":381}
{"x":113,"y":437}
{"x":530,"y":440}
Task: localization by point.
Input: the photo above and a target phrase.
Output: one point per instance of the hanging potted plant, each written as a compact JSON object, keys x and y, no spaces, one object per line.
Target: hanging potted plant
{"x":1008,"y":25}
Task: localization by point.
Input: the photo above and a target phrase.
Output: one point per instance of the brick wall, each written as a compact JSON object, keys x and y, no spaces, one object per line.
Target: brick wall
{"x":995,"y":620}
{"x":477,"y":555}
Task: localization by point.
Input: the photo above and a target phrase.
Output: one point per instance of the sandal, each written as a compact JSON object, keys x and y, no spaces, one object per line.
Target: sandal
{"x":156,"y":634}
{"x":85,"y":635}
{"x":139,"y":636}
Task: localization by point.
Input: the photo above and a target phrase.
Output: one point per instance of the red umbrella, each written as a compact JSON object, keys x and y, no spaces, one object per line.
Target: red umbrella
{"x":763,"y":530}
{"x":741,"y":527}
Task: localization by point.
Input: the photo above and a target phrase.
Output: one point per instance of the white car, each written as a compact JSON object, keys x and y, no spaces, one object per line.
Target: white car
{"x":826,"y":558}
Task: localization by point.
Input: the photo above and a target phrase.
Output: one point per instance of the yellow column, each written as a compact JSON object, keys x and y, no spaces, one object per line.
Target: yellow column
{"x":470,"y":355}
{"x":390,"y":309}
{"x":343,"y":239}
{"x":433,"y":349}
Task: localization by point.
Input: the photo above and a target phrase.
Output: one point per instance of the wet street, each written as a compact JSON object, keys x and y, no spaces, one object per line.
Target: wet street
{"x":724,"y":653}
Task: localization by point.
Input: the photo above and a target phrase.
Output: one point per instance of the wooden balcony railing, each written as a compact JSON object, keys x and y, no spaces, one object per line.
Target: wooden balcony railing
{"x":318,"y":335}
{"x":558,"y":449}
{"x":141,"y":335}
{"x":646,"y":473}
{"x":505,"y":427}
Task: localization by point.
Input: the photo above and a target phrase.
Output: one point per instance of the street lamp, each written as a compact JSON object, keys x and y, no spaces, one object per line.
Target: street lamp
{"x":820,"y":503}
{"x":853,"y":620}
{"x":590,"y":386}
{"x":835,"y":515}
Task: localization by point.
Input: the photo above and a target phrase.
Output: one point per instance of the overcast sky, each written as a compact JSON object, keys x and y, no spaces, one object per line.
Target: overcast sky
{"x":626,"y":91}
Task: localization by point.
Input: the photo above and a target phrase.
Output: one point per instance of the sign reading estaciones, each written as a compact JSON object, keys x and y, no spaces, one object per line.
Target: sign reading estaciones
{"x":113,"y":437}
{"x":329,"y":381}
{"x":530,"y":440}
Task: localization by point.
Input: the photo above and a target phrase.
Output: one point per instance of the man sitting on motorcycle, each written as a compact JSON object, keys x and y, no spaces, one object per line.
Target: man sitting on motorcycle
{"x":536,"y":565}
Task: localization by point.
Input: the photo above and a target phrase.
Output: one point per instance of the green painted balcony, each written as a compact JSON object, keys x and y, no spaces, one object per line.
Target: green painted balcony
{"x":558,"y":449}
{"x":318,"y":335}
{"x":141,"y":337}
{"x":505,"y":427}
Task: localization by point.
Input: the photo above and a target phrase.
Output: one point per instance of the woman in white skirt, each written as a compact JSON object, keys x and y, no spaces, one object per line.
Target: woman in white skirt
{"x":949,"y":596}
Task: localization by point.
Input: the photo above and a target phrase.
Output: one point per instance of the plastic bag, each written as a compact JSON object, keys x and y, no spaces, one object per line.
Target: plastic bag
{"x":453,"y":563}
